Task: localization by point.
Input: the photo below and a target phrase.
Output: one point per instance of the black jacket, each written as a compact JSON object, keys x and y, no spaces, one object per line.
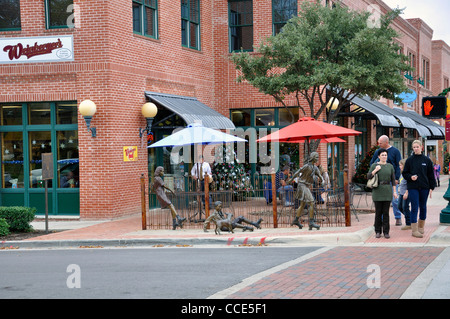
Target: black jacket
{"x":421,"y":166}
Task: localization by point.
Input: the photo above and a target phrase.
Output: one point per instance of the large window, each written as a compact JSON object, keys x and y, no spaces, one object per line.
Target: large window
{"x":145,"y":17}
{"x":27,"y":130}
{"x":240,"y":15}
{"x":9,"y":15}
{"x":282,"y":11}
{"x":59,"y":14}
{"x":190,"y":24}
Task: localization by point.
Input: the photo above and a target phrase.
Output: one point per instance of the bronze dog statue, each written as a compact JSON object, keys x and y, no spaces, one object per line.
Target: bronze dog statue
{"x":223,"y":223}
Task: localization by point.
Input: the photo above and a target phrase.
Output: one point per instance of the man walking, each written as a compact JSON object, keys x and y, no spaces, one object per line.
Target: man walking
{"x":394,"y":158}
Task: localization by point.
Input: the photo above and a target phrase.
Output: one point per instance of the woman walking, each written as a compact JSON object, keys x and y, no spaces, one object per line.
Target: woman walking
{"x":419,"y":174}
{"x":384,"y":193}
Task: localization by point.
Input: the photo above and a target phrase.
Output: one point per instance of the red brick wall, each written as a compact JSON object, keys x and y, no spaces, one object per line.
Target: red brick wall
{"x":113,"y":67}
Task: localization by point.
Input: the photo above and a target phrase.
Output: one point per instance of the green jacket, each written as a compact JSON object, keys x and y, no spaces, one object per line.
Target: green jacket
{"x":386,"y":174}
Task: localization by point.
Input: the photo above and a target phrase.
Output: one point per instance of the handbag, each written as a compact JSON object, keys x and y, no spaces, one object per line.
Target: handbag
{"x":373,"y":182}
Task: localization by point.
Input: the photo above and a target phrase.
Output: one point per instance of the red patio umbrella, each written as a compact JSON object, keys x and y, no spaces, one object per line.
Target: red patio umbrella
{"x":307,"y":128}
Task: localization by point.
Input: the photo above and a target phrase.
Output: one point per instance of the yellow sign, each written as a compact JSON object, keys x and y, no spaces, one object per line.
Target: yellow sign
{"x":130,"y":153}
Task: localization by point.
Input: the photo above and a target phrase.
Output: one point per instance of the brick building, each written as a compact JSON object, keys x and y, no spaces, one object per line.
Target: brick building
{"x":121,"y":54}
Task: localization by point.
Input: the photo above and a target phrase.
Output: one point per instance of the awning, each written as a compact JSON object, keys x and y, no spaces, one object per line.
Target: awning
{"x":191,"y":110}
{"x":384,"y":117}
{"x":422,"y":130}
{"x":437,"y":131}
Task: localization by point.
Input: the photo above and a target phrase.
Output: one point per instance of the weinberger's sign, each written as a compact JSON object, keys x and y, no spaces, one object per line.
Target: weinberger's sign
{"x":36,"y":49}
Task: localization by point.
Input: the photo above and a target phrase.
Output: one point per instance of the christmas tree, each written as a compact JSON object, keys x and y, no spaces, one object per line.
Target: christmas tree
{"x":230,"y":174}
{"x":360,"y":176}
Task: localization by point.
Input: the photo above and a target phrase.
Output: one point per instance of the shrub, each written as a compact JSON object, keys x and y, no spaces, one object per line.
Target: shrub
{"x":4,"y":227}
{"x":18,"y":217}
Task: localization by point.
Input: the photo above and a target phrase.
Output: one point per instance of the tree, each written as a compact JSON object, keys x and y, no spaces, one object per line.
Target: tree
{"x":327,"y":52}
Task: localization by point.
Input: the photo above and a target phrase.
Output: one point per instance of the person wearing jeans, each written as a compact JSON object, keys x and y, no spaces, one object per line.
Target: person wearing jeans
{"x":403,"y":198}
{"x":419,"y":173}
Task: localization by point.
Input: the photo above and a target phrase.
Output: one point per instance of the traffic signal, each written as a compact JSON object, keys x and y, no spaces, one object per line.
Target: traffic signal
{"x":434,"y":107}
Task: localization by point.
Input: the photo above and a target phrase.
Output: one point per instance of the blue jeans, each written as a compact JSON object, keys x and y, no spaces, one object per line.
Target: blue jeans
{"x":287,"y":193}
{"x":395,"y":206}
{"x":403,"y":207}
{"x":418,"y":198}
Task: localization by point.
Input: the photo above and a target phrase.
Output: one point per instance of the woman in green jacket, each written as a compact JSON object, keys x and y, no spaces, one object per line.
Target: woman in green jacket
{"x":382,"y":195}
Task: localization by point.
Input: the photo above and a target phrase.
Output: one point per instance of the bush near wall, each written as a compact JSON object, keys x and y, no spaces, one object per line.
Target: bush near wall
{"x":18,"y":217}
{"x":4,"y":227}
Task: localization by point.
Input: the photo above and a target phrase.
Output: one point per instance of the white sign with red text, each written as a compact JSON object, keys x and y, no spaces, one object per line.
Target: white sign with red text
{"x":36,"y":49}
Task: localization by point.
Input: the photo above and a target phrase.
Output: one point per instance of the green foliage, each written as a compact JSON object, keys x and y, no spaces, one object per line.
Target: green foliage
{"x":446,"y":162}
{"x":4,"y":227}
{"x":360,"y":176}
{"x":18,"y":217}
{"x":326,"y":48}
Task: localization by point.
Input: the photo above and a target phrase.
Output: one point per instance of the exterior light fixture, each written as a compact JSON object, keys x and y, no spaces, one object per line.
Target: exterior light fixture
{"x":149,"y":111}
{"x":88,"y":108}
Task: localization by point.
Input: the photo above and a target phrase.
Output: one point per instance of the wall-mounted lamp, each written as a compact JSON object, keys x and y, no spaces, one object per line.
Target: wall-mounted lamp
{"x":149,"y":111}
{"x":88,"y":108}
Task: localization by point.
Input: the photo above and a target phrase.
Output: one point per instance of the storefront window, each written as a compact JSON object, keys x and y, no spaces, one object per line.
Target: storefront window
{"x":265,"y":117}
{"x":241,"y":117}
{"x":285,"y":118}
{"x":66,"y":113}
{"x":11,"y":114}
{"x":39,"y":113}
{"x":12,"y":160}
{"x":68,"y":164}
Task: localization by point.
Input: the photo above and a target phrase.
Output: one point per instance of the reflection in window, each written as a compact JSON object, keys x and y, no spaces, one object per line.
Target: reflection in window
{"x":59,"y":14}
{"x":66,"y":113}
{"x":282,"y":11}
{"x":265,"y":117}
{"x":39,"y":113}
{"x":11,"y":114}
{"x":68,"y":164}
{"x":9,"y":15}
{"x":12,"y":160}
{"x":38,"y":143}
{"x":285,"y":118}
{"x":240,"y":17}
{"x":241,"y":117}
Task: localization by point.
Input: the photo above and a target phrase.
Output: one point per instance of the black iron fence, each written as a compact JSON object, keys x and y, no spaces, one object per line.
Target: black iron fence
{"x":256,"y":200}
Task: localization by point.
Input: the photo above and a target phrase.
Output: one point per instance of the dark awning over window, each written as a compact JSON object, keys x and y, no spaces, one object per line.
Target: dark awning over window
{"x":384,"y":117}
{"x":191,"y":110}
{"x":437,"y":131}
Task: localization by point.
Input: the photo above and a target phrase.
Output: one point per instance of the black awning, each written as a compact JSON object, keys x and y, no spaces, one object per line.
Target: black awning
{"x":191,"y":110}
{"x":384,"y":117}
{"x":437,"y":131}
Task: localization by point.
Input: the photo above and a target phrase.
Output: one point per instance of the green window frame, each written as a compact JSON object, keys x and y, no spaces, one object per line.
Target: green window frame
{"x":145,"y":18}
{"x":282,"y":11}
{"x":240,"y":22}
{"x":10,"y":15}
{"x":26,"y":131}
{"x":190,"y":24}
{"x":59,"y":14}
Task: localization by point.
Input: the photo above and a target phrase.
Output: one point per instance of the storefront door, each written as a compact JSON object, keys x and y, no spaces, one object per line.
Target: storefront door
{"x":27,"y":131}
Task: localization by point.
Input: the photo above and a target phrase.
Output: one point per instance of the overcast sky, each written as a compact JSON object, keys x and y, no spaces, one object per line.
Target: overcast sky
{"x":435,"y":13}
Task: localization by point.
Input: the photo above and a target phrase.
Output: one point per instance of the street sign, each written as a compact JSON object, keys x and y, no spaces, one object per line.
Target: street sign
{"x":47,"y":166}
{"x":434,"y":107}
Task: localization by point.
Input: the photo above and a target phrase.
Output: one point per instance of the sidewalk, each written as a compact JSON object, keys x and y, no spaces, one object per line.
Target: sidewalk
{"x":128,"y":232}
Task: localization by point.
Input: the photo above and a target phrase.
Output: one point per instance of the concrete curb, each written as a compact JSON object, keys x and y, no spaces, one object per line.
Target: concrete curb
{"x":313,"y":239}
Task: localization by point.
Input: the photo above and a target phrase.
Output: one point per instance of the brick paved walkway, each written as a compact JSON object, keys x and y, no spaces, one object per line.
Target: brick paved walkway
{"x":343,"y":272}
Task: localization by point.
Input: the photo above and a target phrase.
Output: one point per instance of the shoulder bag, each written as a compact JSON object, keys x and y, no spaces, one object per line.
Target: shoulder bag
{"x":373,"y":182}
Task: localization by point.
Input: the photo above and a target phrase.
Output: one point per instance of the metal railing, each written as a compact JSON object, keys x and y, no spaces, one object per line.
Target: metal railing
{"x":252,"y":203}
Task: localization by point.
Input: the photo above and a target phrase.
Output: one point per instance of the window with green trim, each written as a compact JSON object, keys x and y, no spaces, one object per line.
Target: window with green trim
{"x":282,"y":11}
{"x":190,"y":24}
{"x":240,"y":21}
{"x":145,"y":17}
{"x":59,"y":14}
{"x":9,"y":15}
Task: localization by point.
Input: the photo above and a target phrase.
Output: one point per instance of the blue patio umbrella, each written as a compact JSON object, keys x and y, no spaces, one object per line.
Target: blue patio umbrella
{"x":196,"y":134}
